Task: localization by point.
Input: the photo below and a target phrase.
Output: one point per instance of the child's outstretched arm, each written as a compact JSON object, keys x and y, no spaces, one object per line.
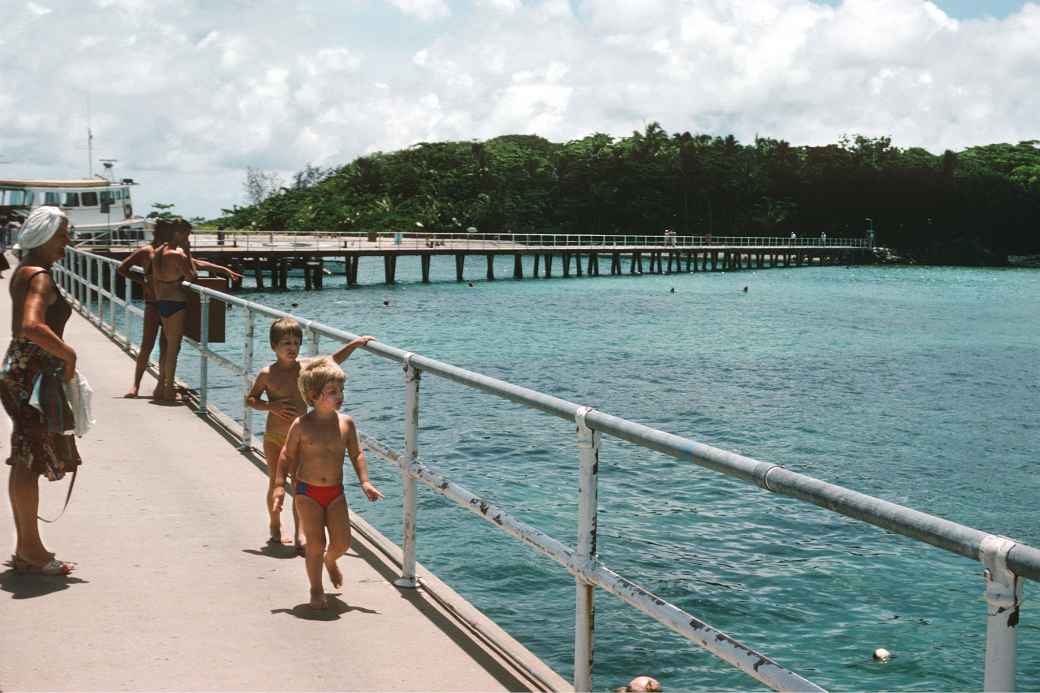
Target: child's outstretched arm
{"x":288,"y":462}
{"x":357,"y":458}
{"x":347,"y":349}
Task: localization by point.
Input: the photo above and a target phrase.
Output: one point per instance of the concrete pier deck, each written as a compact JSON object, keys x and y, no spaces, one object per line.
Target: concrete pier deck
{"x":176,"y":590}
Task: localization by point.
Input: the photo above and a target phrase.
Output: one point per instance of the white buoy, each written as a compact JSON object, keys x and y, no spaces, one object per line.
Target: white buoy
{"x":882,"y":655}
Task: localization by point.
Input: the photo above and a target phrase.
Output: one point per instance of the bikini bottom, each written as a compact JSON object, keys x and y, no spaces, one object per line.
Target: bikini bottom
{"x":324,"y":495}
{"x":169,"y":308}
{"x":275,"y":438}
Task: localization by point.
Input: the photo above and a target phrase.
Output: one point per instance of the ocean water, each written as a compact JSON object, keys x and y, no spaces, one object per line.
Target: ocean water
{"x":918,"y":385}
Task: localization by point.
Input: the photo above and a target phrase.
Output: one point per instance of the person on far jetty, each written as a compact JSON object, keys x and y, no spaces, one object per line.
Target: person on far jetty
{"x":39,"y":446}
{"x":313,"y":456}
{"x":142,"y":257}
{"x":280,"y":382}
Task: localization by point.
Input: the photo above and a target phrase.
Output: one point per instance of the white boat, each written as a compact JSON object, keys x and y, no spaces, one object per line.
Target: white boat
{"x":99,"y":209}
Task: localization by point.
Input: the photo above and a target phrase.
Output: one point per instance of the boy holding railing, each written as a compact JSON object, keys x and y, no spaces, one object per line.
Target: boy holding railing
{"x":283,"y":404}
{"x":313,"y":456}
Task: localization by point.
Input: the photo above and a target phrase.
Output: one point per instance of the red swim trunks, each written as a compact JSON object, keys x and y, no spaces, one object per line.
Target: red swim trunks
{"x":323,"y":494}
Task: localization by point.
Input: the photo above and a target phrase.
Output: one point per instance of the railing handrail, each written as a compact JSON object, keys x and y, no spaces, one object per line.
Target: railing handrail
{"x":330,"y":240}
{"x":996,"y":552}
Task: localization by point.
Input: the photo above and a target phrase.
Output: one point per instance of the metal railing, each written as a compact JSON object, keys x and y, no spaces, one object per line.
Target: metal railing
{"x":338,"y":241}
{"x":1006,"y":562}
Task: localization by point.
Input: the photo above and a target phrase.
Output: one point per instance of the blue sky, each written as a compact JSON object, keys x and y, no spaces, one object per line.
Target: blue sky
{"x":972,"y":9}
{"x":189,"y":93}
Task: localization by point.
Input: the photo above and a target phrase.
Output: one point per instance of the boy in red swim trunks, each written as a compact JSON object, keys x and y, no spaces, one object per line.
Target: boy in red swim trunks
{"x":313,"y":456}
{"x":280,"y":383}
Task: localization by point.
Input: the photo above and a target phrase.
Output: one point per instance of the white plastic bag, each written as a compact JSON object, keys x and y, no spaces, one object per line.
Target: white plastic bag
{"x":78,"y":392}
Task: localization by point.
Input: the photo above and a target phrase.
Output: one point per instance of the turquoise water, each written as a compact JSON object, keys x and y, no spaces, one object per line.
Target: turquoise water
{"x":919,"y":385}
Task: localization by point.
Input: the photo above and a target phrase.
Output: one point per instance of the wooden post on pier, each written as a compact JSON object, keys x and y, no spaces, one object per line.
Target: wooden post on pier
{"x":350,"y":263}
{"x":548,"y":265}
{"x":389,"y":268}
{"x":308,"y":277}
{"x":490,"y":267}
{"x":460,"y":261}
{"x":566,"y":259}
{"x":518,"y":266}
{"x":424,"y":262}
{"x":577,"y":263}
{"x":258,"y":273}
{"x":671,"y":258}
{"x":615,"y":263}
{"x":593,"y":264}
{"x":537,"y":259}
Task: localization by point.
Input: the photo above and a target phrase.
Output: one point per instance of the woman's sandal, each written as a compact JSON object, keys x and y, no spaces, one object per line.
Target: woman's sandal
{"x":51,"y":567}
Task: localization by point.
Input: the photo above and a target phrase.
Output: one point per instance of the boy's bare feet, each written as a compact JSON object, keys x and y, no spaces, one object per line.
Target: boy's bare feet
{"x":334,"y":574}
{"x":318,"y":600}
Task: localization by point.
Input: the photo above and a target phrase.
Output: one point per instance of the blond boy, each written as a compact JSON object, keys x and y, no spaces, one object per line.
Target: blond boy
{"x":283,"y":403}
{"x":313,"y":456}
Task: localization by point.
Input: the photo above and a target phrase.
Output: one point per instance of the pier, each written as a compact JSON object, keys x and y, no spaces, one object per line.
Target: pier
{"x":269,"y":257}
{"x":195,"y":538}
{"x":175,"y":588}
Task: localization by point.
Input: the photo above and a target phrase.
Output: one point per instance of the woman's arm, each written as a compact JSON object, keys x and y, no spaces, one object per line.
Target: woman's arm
{"x":135,"y":259}
{"x":219,"y":269}
{"x":39,"y":294}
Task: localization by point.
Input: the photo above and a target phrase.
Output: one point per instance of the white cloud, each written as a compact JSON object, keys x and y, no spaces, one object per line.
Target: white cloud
{"x":187,"y":96}
{"x":423,"y":9}
{"x":38,"y":10}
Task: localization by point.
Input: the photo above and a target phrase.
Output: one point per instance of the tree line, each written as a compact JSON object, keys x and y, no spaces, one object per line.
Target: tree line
{"x":982,"y":202}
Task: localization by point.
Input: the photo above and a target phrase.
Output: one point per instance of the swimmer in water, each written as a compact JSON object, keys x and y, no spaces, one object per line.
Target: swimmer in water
{"x":470,"y":285}
{"x":386,"y":303}
{"x":672,"y":290}
{"x":745,"y":289}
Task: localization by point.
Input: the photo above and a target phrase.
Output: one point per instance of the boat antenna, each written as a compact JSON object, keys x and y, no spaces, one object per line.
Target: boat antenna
{"x":90,"y":142}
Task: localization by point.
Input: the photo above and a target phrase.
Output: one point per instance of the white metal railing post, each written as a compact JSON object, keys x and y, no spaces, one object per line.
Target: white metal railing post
{"x":112,"y":297}
{"x":203,"y":355}
{"x":585,"y":605}
{"x":315,"y":341}
{"x":1003,"y":598}
{"x":247,"y":358}
{"x":411,"y":432}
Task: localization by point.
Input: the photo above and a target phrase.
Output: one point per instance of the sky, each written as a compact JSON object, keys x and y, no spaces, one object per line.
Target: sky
{"x":187,"y":94}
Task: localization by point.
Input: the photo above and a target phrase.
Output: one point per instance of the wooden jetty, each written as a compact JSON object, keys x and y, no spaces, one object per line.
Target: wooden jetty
{"x":269,"y":257}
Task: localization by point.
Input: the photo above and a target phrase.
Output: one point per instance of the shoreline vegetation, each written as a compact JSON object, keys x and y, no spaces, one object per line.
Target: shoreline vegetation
{"x":977,"y":206}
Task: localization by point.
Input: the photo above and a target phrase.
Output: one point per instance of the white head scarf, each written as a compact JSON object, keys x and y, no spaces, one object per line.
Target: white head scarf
{"x":40,"y":227}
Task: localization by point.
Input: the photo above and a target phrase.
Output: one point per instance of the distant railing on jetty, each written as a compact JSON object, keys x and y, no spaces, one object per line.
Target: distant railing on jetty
{"x":336,"y":241}
{"x":88,"y":281}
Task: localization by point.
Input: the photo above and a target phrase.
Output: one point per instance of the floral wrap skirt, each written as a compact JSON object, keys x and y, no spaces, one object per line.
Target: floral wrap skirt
{"x":34,"y":443}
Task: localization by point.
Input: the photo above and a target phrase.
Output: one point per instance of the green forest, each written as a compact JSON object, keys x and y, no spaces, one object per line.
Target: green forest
{"x":975,"y":205}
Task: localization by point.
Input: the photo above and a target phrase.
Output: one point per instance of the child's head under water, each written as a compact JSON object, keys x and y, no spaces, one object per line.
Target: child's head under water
{"x":321,"y":384}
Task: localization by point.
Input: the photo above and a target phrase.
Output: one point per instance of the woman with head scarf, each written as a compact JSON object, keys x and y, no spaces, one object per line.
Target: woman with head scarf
{"x":39,"y":444}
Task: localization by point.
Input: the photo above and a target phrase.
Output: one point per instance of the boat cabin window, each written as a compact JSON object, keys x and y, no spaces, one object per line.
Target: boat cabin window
{"x":71,"y":200}
{"x":88,"y":199}
{"x":51,"y":198}
{"x":15,"y":198}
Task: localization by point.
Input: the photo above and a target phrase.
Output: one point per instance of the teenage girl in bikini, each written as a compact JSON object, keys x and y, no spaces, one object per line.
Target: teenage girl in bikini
{"x":142,"y":257}
{"x":280,"y":383}
{"x":313,"y":456}
{"x":171,"y":265}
